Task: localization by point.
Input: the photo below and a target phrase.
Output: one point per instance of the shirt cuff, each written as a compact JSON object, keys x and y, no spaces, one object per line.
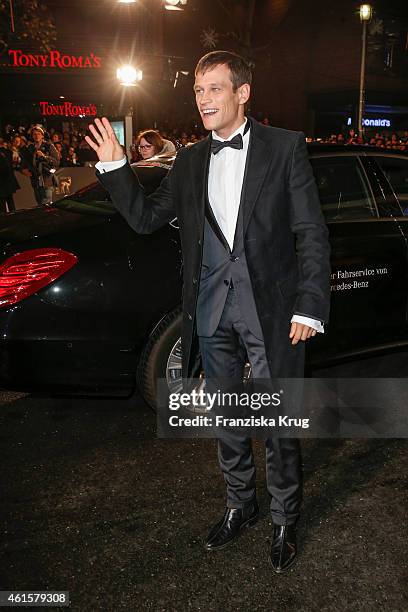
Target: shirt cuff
{"x":317,"y":325}
{"x":109,"y":166}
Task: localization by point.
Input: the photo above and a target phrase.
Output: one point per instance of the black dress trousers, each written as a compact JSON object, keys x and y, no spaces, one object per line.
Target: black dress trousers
{"x":224,"y":355}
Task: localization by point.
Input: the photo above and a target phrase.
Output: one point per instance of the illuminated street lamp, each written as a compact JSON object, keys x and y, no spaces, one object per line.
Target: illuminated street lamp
{"x":174,"y":5}
{"x":128,"y":76}
{"x":365,"y":12}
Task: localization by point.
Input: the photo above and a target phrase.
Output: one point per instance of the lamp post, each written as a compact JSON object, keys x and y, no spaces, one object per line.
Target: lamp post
{"x":128,"y":77}
{"x":365,"y":12}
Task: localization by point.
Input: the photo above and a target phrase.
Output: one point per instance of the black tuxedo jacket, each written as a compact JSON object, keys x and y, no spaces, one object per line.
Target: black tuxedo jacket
{"x":285,"y":235}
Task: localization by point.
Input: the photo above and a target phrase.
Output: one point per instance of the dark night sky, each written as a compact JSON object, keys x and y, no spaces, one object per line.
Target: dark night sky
{"x":105,"y":23}
{"x":113,"y":31}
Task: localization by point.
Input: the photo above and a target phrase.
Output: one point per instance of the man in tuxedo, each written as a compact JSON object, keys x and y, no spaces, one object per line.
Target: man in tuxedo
{"x":256,"y":270}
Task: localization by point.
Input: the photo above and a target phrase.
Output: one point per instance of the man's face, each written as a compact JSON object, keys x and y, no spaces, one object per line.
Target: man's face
{"x":221,"y":109}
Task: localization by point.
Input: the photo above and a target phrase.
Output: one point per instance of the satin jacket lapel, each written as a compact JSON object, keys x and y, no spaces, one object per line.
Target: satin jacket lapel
{"x":200,"y":164}
{"x":259,"y":160}
{"x":209,"y":214}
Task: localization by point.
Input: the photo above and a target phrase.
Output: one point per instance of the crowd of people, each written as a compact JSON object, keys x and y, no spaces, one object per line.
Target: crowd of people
{"x":383,"y":140}
{"x":37,"y":153}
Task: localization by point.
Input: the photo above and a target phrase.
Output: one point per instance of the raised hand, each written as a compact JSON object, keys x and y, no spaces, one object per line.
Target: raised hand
{"x":107,"y":146}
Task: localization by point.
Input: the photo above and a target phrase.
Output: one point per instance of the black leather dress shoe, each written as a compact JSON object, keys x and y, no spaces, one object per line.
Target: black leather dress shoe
{"x":283,"y":549}
{"x":230,"y":526}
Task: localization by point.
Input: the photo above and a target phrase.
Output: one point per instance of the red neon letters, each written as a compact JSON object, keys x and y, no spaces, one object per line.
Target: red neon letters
{"x":54,"y":59}
{"x":67,"y":109}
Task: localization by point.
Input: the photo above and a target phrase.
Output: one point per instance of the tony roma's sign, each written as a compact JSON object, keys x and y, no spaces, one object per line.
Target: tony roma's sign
{"x":52,"y":59}
{"x":67,"y":109}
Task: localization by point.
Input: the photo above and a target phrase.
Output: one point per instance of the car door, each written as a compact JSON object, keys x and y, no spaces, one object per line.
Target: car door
{"x":155,"y":260}
{"x":395,"y":169}
{"x":369,"y":259}
{"x":391,"y":170}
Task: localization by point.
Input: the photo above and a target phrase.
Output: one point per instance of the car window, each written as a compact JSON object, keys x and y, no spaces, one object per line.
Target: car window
{"x":94,"y":199}
{"x":342,"y":189}
{"x":396,"y":171}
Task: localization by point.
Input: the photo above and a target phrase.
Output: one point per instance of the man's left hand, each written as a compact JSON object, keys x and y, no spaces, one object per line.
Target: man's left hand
{"x":299,"y":331}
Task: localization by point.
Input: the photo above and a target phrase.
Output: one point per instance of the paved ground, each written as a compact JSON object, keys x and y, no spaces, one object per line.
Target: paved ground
{"x":96,"y":505}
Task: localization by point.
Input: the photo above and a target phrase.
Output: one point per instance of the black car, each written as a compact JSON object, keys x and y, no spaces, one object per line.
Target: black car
{"x":87,"y":306}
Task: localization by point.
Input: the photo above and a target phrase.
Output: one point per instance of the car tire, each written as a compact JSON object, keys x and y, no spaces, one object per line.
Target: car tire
{"x":161,"y":358}
{"x":153,"y":362}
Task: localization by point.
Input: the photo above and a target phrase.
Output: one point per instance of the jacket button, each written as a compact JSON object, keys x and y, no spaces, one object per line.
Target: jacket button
{"x":199,"y":242}
{"x":234,"y":258}
{"x":189,"y":316}
{"x":226,"y":282}
{"x":194,"y":281}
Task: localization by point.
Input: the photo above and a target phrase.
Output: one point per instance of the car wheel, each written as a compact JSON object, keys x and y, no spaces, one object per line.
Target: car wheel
{"x":161,"y":358}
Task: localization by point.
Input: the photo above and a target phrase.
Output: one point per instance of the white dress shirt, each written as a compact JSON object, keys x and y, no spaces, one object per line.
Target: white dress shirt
{"x":225,"y":178}
{"x":108,"y":166}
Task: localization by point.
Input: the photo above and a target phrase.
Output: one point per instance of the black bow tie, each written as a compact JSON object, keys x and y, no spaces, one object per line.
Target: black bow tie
{"x":235,"y":143}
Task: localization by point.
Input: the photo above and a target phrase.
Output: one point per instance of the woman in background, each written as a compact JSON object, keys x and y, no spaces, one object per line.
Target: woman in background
{"x":149,"y":143}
